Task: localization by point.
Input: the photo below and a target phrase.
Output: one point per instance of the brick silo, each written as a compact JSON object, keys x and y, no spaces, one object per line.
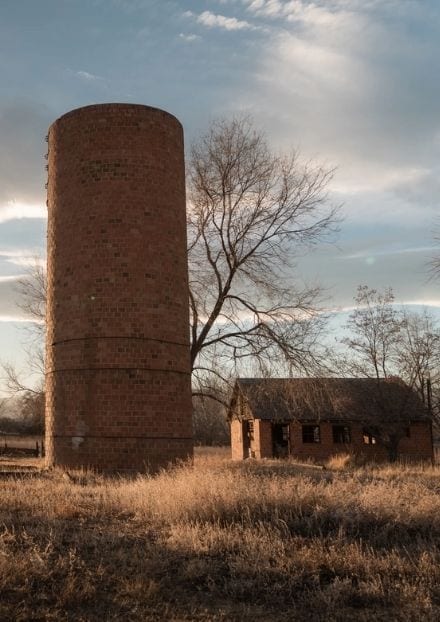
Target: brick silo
{"x":118,"y":389}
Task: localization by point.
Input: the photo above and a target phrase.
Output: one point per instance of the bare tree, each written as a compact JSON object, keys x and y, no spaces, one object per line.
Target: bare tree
{"x":29,"y":399}
{"x":210,"y":425}
{"x":32,"y":301}
{"x":374,"y":327}
{"x":251,"y":213}
{"x":386,"y":343}
{"x":418,"y":358}
{"x":32,"y":290}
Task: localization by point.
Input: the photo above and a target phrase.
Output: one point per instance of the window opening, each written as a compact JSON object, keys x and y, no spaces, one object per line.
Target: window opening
{"x":280,"y":440}
{"x":250,"y":430}
{"x":341,"y":434}
{"x":311,"y":434}
{"x":369,"y":439}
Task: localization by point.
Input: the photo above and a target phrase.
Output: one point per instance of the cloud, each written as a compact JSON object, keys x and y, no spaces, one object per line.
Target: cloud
{"x":346,"y":309}
{"x":297,"y":11}
{"x":371,"y":253}
{"x":422,"y":190}
{"x":16,"y":210}
{"x":9,"y":296}
{"x":406,"y":272}
{"x":188,"y":38}
{"x":423,"y":303}
{"x":349,"y":83}
{"x":8,"y":300}
{"x":16,"y":318}
{"x":22,"y":257}
{"x":89,"y":77}
{"x":15,"y":277}
{"x":211,"y":20}
{"x":321,"y":11}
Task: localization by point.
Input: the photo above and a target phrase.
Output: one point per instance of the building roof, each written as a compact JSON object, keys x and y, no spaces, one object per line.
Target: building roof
{"x":338,"y":399}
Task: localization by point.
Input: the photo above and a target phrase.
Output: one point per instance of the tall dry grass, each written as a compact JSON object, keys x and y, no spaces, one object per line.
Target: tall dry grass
{"x":223,"y":541}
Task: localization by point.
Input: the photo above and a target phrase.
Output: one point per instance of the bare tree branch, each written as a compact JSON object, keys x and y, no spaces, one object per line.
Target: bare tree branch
{"x":250,"y":214}
{"x":385,"y":343}
{"x":32,"y":300}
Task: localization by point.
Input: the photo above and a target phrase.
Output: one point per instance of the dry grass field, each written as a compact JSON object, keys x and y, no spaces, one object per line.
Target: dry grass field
{"x":222,"y":541}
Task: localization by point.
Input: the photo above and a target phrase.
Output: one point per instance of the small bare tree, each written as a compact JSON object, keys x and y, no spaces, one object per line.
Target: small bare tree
{"x":385,"y":343}
{"x":375,"y":326}
{"x":32,"y":301}
{"x":32,"y":290}
{"x":251,"y":213}
{"x":418,"y":358}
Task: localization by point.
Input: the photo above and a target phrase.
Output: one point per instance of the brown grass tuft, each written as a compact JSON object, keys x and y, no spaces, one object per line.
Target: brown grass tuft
{"x":340,"y":462}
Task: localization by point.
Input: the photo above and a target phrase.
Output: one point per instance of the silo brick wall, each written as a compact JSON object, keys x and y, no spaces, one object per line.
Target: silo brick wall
{"x":118,"y":390}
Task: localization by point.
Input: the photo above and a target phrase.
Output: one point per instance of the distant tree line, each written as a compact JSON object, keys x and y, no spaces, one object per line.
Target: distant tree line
{"x":22,"y":414}
{"x":210,"y":425}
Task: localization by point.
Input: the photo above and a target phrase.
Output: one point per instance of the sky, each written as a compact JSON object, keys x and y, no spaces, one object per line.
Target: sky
{"x":352,"y":84}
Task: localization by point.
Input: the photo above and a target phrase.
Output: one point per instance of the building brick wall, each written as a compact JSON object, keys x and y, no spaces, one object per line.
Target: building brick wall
{"x":118,"y":368}
{"x":416,"y":447}
{"x":237,"y":444}
{"x":263,"y":442}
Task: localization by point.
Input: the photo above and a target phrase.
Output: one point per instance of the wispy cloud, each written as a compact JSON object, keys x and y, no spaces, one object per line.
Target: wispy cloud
{"x":7,"y":279}
{"x":89,"y":77}
{"x":189,"y":38}
{"x":320,"y":12}
{"x":13,"y":210}
{"x":346,"y":309}
{"x":349,"y":80}
{"x":17,"y":318}
{"x":24,"y":258}
{"x":298,"y":11}
{"x":422,"y":303}
{"x":212,"y":20}
{"x":370,"y":253}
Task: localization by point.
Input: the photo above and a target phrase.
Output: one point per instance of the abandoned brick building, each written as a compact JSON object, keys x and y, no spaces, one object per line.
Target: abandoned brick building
{"x":315,"y":418}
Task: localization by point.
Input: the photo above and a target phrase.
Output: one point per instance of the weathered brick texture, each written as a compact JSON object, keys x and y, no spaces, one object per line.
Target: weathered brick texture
{"x":118,"y":369}
{"x":414,"y":448}
{"x":237,"y":440}
{"x":262,"y":446}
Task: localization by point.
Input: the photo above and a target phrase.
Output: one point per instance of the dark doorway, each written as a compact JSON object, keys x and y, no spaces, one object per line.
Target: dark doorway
{"x":248,"y":437}
{"x":280,"y":440}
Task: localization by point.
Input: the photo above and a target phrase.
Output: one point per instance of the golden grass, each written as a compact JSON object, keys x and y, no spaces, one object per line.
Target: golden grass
{"x":223,"y":541}
{"x":339,"y":462}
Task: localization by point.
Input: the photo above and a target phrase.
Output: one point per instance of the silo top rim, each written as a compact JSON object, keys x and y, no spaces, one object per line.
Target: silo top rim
{"x":113,"y":105}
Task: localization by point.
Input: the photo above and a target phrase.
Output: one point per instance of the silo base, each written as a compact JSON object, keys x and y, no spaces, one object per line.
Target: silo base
{"x":117,"y":420}
{"x":112,"y":455}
